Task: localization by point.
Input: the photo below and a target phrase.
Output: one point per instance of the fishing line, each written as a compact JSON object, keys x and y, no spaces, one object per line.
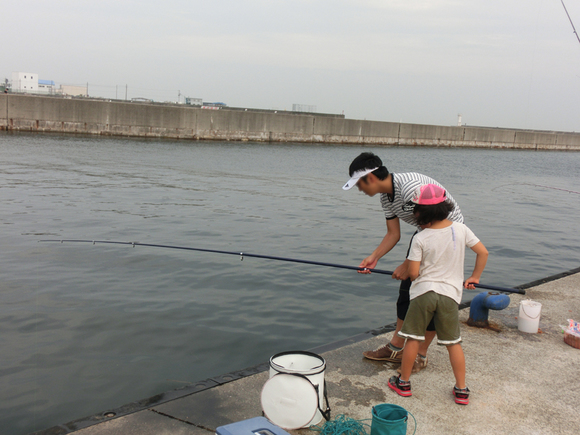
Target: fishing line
{"x":533,"y":64}
{"x":555,"y":188}
{"x":536,"y":185}
{"x":343,"y":425}
{"x":267,"y":257}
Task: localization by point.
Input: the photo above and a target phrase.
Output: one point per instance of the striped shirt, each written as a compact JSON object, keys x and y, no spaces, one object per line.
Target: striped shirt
{"x":400,"y":205}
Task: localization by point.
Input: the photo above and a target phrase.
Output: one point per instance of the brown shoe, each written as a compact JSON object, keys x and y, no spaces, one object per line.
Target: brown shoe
{"x":384,"y":353}
{"x":420,"y":364}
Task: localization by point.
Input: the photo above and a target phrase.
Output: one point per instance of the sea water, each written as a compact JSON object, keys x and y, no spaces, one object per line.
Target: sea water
{"x":85,"y":328}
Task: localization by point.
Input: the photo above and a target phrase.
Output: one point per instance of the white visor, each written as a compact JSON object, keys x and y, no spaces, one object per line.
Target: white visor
{"x":357,"y":176}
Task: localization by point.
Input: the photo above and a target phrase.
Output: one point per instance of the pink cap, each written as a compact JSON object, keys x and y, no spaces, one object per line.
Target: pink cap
{"x":429,"y":194}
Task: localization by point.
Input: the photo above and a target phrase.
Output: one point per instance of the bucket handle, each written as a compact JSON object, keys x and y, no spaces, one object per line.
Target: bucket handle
{"x":325,"y":413}
{"x":524,"y":310}
{"x":413,"y":419}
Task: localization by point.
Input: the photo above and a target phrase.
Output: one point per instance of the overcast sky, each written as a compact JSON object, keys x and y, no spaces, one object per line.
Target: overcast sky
{"x":498,"y":63}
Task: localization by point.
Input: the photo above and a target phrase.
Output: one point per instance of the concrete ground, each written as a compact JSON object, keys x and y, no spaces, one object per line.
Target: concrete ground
{"x":520,"y":383}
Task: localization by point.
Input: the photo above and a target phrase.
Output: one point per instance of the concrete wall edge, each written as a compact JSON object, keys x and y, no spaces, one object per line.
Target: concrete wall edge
{"x":118,"y":118}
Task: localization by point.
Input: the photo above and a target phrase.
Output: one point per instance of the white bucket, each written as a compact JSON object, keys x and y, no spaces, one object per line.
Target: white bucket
{"x":529,"y":317}
{"x":294,"y":395}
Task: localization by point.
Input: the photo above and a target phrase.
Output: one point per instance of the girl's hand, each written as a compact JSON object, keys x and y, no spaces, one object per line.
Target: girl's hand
{"x":468,"y":284}
{"x":402,"y":272}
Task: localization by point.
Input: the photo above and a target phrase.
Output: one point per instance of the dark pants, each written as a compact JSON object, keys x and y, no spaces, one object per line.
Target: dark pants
{"x":404,"y":299}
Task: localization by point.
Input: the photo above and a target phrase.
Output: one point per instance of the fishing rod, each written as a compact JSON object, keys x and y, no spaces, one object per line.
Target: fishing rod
{"x":267,"y":257}
{"x":573,"y":28}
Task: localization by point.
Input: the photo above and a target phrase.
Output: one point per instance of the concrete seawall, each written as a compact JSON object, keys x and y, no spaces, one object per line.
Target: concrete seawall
{"x":121,"y":118}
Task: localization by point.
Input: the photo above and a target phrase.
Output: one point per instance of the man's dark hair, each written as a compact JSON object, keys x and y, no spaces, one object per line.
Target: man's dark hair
{"x":369,"y":161}
{"x":425,"y":214}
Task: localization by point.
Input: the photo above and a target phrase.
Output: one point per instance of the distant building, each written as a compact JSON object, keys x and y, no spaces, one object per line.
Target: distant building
{"x":213,"y":106}
{"x":24,"y":82}
{"x":46,"y":87}
{"x":74,"y":91}
{"x":194,"y":101}
{"x":303,"y":108}
{"x":142,"y":100}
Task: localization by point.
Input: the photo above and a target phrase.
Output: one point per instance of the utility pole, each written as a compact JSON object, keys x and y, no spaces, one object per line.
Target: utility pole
{"x":125,"y":92}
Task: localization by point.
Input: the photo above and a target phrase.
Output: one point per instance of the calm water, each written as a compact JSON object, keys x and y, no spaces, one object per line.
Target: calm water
{"x":86,"y":328}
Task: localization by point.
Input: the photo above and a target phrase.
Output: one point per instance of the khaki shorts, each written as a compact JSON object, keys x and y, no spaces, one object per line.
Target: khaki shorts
{"x":442,"y":309}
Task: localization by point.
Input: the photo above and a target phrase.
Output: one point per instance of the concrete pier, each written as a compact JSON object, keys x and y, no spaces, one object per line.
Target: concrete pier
{"x":521,"y":383}
{"x":34,"y":113}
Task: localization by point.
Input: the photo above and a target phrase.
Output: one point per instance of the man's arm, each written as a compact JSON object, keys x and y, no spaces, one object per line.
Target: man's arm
{"x":389,"y":241}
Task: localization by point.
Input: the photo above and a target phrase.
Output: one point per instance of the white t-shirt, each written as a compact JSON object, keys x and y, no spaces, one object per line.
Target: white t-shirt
{"x":442,"y":256}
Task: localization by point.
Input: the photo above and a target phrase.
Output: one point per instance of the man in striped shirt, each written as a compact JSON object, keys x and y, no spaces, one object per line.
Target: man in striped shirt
{"x":396,"y":191}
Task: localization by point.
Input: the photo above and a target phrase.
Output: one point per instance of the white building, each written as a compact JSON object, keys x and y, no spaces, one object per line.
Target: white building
{"x":74,"y":91}
{"x":194,"y":101}
{"x":24,"y":82}
{"x":46,"y":87}
{"x":303,"y":108}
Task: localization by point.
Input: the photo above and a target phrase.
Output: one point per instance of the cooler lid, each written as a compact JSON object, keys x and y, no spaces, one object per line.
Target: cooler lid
{"x":289,"y":401}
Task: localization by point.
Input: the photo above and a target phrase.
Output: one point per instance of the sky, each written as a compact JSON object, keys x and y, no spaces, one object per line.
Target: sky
{"x":497,"y":63}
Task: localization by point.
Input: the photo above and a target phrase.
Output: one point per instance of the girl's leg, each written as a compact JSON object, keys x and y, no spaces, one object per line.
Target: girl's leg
{"x":424,"y":345}
{"x":457,"y":359}
{"x":409,"y":355}
{"x":396,"y":340}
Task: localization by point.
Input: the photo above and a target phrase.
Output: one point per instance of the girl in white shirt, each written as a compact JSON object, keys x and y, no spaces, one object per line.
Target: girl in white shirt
{"x":436,"y":270}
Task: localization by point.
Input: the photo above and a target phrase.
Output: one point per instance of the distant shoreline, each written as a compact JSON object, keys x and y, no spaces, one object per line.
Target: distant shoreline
{"x":35,"y":113}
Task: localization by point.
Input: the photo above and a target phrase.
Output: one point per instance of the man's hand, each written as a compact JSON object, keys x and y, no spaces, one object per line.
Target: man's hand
{"x":368,"y":263}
